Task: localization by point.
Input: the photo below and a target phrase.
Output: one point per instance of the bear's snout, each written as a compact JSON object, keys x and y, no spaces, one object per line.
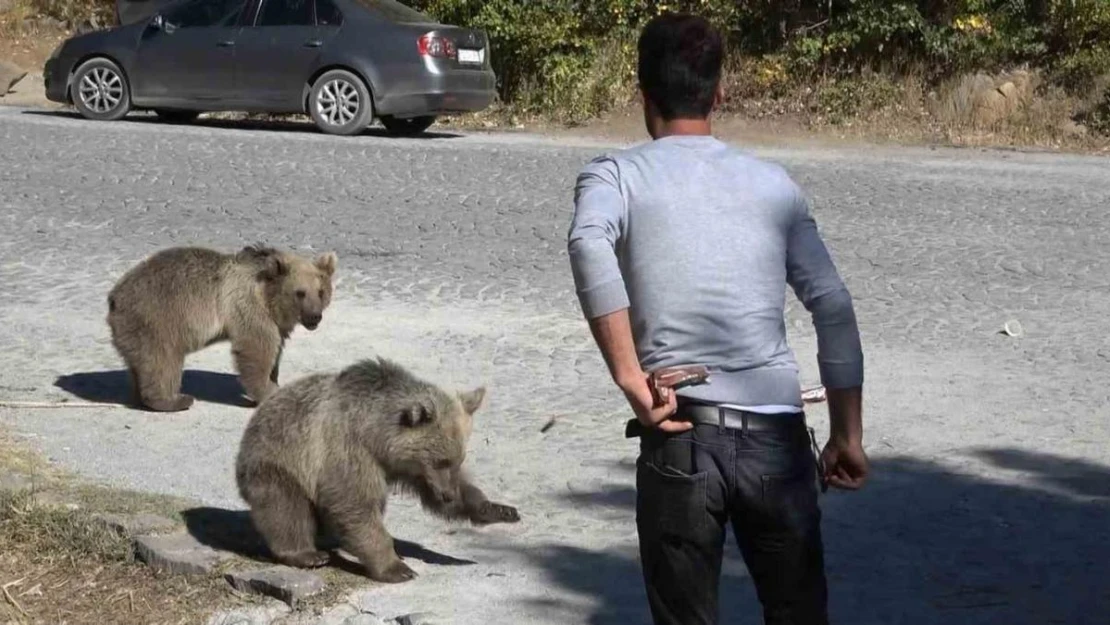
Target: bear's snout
{"x":310,"y":321}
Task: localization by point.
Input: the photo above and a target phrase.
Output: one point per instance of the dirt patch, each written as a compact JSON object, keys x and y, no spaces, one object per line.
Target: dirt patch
{"x":61,"y":563}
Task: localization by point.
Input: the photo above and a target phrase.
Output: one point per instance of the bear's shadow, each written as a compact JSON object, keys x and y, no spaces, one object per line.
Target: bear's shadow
{"x":232,"y":531}
{"x":114,"y":387}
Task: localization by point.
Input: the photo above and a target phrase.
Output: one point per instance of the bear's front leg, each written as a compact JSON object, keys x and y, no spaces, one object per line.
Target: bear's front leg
{"x":256,"y":356}
{"x":367,"y":539}
{"x":482,"y":511}
{"x":277,"y":363}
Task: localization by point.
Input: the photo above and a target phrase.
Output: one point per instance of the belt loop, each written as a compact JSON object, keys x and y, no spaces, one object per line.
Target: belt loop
{"x":744,"y":422}
{"x":721,"y":420}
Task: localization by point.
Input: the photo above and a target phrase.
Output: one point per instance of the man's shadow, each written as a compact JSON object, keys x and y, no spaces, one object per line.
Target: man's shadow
{"x":114,"y":387}
{"x":232,"y":531}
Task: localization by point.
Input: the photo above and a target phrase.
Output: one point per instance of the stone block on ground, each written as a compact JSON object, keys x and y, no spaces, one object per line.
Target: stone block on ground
{"x":280,"y":582}
{"x":179,"y":554}
{"x":137,"y":524}
{"x":9,"y":75}
{"x":419,"y":618}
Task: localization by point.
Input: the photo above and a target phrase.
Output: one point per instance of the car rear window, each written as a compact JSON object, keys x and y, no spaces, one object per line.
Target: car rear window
{"x":396,"y":12}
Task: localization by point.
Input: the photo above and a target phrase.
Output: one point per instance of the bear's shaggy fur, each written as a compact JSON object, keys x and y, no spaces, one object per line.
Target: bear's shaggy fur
{"x":328,"y":447}
{"x":183,"y":299}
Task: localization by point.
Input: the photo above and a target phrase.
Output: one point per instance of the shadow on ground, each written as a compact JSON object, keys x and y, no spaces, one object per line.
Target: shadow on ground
{"x":232,"y":531}
{"x":114,"y":387}
{"x":920,"y":545}
{"x":264,"y":125}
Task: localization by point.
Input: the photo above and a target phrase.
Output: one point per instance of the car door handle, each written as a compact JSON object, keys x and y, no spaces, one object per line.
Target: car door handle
{"x":314,"y":43}
{"x":226,"y":44}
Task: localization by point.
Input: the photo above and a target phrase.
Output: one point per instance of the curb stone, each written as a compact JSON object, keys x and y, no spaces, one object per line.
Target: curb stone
{"x":179,"y":554}
{"x":280,"y":582}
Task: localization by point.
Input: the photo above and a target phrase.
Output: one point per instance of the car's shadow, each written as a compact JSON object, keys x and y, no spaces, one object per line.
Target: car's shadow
{"x":114,"y":387}
{"x":265,"y":125}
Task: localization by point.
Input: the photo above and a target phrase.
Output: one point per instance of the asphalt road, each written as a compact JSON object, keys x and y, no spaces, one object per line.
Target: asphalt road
{"x":991,"y":490}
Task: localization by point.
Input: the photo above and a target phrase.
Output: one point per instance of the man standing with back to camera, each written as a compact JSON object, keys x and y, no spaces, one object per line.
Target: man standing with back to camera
{"x":681,"y":251}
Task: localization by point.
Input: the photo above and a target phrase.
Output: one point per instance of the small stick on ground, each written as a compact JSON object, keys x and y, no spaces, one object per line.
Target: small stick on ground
{"x":56,"y":404}
{"x":10,"y":598}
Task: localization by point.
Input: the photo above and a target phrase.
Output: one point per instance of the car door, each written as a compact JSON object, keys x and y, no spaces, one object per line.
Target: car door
{"x":187,"y":54}
{"x":276,"y":55}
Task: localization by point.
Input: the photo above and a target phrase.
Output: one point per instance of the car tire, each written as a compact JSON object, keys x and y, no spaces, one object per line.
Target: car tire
{"x":100,"y":91}
{"x":340,"y":104}
{"x":407,"y":127}
{"x":172,"y":116}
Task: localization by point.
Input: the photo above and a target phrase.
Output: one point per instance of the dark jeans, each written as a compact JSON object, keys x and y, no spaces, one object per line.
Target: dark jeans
{"x":763,"y":481}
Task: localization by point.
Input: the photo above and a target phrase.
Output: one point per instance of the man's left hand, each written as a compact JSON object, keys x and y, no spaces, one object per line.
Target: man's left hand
{"x":639,"y":397}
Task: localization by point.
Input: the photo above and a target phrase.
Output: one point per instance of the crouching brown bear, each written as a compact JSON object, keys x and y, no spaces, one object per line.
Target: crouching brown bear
{"x":183,"y":299}
{"x":329,"y":447}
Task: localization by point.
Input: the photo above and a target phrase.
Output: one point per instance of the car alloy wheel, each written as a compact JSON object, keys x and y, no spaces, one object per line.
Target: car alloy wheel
{"x":100,"y":90}
{"x":340,"y":103}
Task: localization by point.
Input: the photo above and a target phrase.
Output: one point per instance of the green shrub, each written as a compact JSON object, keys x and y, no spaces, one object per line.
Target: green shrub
{"x":573,"y":59}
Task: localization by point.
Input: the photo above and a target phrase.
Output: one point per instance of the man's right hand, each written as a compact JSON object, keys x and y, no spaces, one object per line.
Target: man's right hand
{"x":846,"y":465}
{"x":638,"y":394}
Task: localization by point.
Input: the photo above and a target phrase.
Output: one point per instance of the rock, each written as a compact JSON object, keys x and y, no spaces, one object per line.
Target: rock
{"x":363,"y":619}
{"x":1073,"y":129}
{"x":417,"y":618}
{"x":10,"y":74}
{"x":1010,"y":91}
{"x":136,"y":524}
{"x":281,"y":582}
{"x":991,"y":107}
{"x":348,"y":614}
{"x":179,"y":554}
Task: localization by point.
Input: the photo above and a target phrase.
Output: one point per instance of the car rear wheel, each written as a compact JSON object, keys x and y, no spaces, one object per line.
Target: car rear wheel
{"x":100,"y":90}
{"x":339,"y":103}
{"x":407,"y":127}
{"x":176,"y":117}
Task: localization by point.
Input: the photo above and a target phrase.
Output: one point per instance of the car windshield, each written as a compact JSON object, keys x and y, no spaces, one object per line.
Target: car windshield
{"x":396,"y":12}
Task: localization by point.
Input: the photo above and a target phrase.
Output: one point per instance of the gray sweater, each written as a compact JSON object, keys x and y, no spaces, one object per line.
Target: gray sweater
{"x":700,"y":241}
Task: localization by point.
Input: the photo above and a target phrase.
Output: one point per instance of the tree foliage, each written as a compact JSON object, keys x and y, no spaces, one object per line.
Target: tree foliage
{"x":570,"y":54}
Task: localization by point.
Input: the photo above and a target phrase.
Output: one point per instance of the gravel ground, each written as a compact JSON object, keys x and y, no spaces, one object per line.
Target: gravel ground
{"x":991,"y":489}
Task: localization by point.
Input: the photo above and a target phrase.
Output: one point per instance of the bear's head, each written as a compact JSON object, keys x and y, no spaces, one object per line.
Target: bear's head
{"x":432,"y":439}
{"x":298,"y":289}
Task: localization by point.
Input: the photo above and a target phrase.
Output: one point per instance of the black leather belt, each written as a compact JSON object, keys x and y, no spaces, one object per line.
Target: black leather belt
{"x":734,"y":419}
{"x":729,"y":418}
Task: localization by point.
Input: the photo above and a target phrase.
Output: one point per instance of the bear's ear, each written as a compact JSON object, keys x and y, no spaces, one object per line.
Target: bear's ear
{"x":472,"y":400}
{"x":273,"y":267}
{"x":416,"y":415}
{"x":327,"y":263}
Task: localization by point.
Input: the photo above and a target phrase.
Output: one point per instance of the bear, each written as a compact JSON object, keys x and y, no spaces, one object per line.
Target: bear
{"x":183,"y":299}
{"x":325,"y":450}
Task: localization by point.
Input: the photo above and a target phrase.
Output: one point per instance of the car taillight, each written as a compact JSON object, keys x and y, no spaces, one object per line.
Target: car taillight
{"x":434,"y":45}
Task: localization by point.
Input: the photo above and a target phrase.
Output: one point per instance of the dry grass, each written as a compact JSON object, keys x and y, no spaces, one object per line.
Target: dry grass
{"x":59,"y":565}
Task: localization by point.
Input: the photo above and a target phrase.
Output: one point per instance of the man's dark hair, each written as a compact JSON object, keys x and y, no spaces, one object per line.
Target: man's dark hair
{"x":680,"y":65}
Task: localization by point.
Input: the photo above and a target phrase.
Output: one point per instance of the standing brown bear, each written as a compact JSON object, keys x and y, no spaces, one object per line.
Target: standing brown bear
{"x":183,"y":299}
{"x":330,"y":446}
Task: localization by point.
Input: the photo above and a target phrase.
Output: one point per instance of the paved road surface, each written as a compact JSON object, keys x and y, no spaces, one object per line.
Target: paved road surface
{"x":992,"y":487}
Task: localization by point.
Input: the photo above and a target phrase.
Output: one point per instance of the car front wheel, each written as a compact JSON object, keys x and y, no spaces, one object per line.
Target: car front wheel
{"x":339,"y":103}
{"x":407,"y":127}
{"x":100,"y":90}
